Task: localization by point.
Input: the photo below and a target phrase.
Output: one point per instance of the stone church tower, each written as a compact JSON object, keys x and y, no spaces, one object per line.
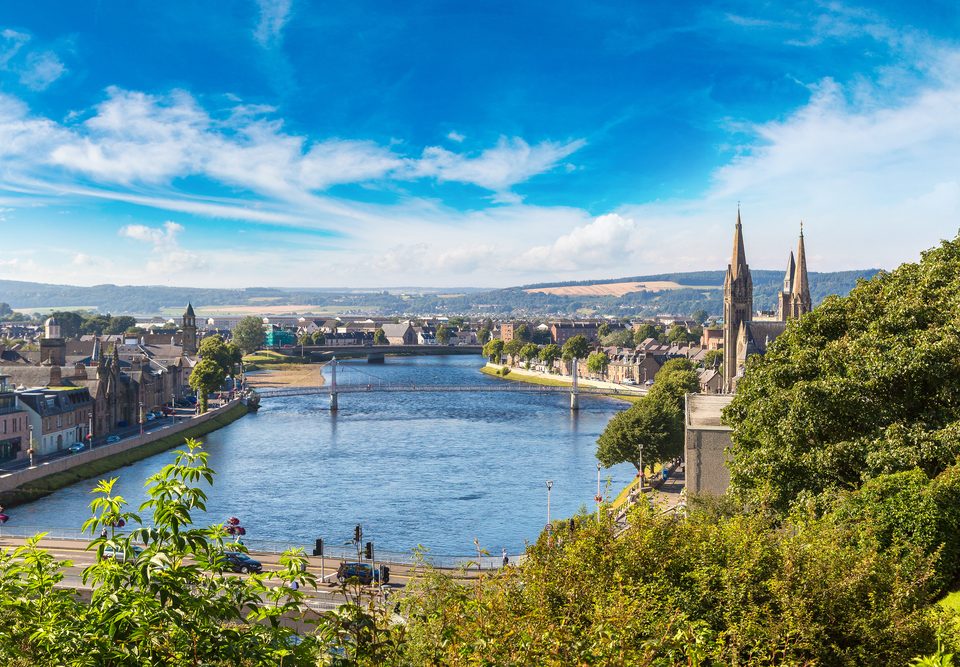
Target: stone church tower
{"x":189,"y":331}
{"x":737,"y":305}
{"x":795,"y":299}
{"x":53,"y":348}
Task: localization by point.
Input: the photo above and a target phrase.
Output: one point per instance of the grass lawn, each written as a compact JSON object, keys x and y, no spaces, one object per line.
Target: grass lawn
{"x":263,"y":357}
{"x":547,"y":382}
{"x":951,"y":601}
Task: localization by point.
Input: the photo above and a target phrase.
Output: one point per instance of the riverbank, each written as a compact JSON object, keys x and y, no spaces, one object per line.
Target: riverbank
{"x":33,"y":483}
{"x":285,"y":375}
{"x":534,"y":377}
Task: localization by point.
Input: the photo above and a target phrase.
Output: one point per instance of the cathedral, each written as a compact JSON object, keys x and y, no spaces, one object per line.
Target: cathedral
{"x":745,"y":334}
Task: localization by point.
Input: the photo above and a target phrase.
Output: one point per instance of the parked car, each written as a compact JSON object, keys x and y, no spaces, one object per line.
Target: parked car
{"x":120,"y":555}
{"x":150,"y":416}
{"x":363,"y":572}
{"x":77,"y":447}
{"x":629,"y":381}
{"x":241,"y":562}
{"x":112,"y":439}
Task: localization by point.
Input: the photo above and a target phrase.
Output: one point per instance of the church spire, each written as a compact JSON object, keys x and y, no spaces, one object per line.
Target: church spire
{"x":801,"y":285}
{"x":738,"y":260}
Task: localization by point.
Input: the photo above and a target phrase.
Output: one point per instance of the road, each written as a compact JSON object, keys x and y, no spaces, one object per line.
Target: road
{"x":326,"y":596}
{"x":123,"y":434}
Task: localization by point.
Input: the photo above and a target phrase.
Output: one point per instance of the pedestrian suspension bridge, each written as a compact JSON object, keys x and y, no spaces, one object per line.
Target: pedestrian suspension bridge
{"x":359,"y":381}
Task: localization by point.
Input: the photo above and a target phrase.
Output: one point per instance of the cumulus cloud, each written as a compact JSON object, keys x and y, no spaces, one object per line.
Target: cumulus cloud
{"x":453,"y":135}
{"x":168,"y":257}
{"x":165,"y":235}
{"x":607,"y":240}
{"x":273,"y":17}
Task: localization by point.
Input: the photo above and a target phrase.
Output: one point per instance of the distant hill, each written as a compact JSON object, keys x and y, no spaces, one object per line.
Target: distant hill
{"x":692,"y":290}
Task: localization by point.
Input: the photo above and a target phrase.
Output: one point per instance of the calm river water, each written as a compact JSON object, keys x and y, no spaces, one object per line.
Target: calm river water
{"x":432,"y":469}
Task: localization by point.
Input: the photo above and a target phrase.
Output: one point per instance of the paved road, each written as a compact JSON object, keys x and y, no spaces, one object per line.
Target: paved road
{"x":123,"y":434}
{"x":326,"y":596}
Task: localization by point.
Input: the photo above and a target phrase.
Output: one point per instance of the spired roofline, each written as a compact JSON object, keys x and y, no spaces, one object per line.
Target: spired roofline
{"x":738,"y":258}
{"x":801,"y":285}
{"x":788,"y":276}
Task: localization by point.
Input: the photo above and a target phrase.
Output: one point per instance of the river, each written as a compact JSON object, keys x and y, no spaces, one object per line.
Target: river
{"x":413,"y":468}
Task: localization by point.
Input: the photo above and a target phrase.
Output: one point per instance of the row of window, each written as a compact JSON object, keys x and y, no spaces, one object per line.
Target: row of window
{"x":15,"y":424}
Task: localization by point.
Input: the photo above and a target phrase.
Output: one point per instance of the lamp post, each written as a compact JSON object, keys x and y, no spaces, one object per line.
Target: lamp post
{"x":549,"y":486}
{"x":140,"y":408}
{"x":90,"y":428}
{"x":173,"y":408}
{"x":30,"y":451}
{"x":641,"y":468}
{"x":599,"y":498}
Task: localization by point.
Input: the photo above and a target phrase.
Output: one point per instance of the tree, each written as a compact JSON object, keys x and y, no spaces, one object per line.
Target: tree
{"x":522,"y":333}
{"x":529,"y":352}
{"x":226,"y":355}
{"x":206,"y":377}
{"x":645,"y":331}
{"x":650,"y":431}
{"x":493,"y":350}
{"x":699,"y":316}
{"x":443,"y":334}
{"x":512,"y":349}
{"x":483,"y":335}
{"x":248,"y":335}
{"x":305,"y":339}
{"x":318,"y":338}
{"x":618,"y":338}
{"x":69,"y":322}
{"x":119,"y":324}
{"x":549,"y":354}
{"x":678,"y":334}
{"x":5,"y":309}
{"x":603,"y":330}
{"x":379,"y":337}
{"x":713,"y":359}
{"x":95,"y":325}
{"x":576,"y":347}
{"x":862,"y":386}
{"x":597,"y":362}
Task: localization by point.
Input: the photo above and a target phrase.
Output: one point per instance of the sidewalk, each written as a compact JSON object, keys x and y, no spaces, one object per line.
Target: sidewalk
{"x":566,"y":379}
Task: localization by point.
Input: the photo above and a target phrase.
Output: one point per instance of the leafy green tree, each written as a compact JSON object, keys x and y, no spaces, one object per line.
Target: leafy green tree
{"x":598,"y":362}
{"x":318,"y":338}
{"x":645,"y":331}
{"x":699,"y":316}
{"x":305,"y":339}
{"x":119,"y":324}
{"x":648,"y":432}
{"x":529,"y":352}
{"x":70,"y":322}
{"x":619,"y":338}
{"x":207,"y":376}
{"x":483,"y":335}
{"x":95,"y":325}
{"x":678,"y":334}
{"x":493,"y":350}
{"x":576,"y":347}
{"x":549,"y":354}
{"x":443,"y":334}
{"x":248,"y":335}
{"x":379,"y":337}
{"x":5,"y":309}
{"x":512,"y":349}
{"x":603,"y":330}
{"x":713,"y":359}
{"x":862,"y":386}
{"x":522,"y":333}
{"x":226,"y":355}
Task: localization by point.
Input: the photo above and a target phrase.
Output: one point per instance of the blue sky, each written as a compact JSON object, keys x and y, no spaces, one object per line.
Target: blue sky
{"x":283,"y":142}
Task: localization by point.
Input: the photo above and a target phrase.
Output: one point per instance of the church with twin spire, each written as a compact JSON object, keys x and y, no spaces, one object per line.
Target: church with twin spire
{"x":744,"y":333}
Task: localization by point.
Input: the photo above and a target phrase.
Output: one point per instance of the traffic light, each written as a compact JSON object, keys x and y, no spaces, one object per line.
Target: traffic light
{"x":384,"y":574}
{"x":368,"y":551}
{"x":318,"y":550}
{"x":357,"y":533}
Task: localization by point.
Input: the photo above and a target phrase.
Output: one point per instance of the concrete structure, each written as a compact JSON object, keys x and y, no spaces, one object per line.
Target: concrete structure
{"x":53,"y":348}
{"x":705,"y":444}
{"x":189,"y":331}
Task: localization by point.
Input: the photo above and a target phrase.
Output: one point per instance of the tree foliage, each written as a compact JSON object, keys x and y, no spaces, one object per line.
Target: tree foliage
{"x":380,"y":337}
{"x":493,"y":350}
{"x":248,"y":335}
{"x":443,"y":334}
{"x":598,"y":362}
{"x":550,"y":353}
{"x":576,"y":347}
{"x":864,"y":385}
{"x":206,"y":376}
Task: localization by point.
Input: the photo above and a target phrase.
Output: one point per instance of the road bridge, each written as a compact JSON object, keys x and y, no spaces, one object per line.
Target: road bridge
{"x":377,"y":353}
{"x":370,"y":383}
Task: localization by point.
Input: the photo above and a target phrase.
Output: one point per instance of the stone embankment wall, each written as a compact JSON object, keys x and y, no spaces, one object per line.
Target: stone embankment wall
{"x":31,"y":483}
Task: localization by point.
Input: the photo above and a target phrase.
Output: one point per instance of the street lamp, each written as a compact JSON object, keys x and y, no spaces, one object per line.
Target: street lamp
{"x":599,"y":498}
{"x":90,"y":428}
{"x":30,"y":451}
{"x":173,"y":408}
{"x":549,"y":486}
{"x":141,"y":418}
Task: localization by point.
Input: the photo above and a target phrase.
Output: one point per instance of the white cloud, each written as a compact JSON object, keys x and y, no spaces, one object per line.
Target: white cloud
{"x":41,"y":69}
{"x":273,"y":17}
{"x":607,"y":240}
{"x":453,"y":135}
{"x":510,"y":162}
{"x":164,"y":235}
{"x":11,"y":42}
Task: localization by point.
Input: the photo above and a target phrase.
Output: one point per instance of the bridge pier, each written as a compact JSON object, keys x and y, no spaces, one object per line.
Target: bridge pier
{"x":574,"y":393}
{"x":333,"y":385}
{"x":376,"y":358}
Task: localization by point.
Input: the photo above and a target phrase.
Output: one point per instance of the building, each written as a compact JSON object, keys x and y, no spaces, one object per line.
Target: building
{"x":58,"y":417}
{"x":712,"y":338}
{"x":561,"y":332}
{"x":189,"y":331}
{"x":706,"y":442}
{"x":743,"y":333}
{"x":53,"y":348}
{"x":13,"y":424}
{"x":276,"y":336}
{"x":400,"y":334}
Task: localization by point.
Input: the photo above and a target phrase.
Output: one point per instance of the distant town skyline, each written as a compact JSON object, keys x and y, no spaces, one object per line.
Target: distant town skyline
{"x":287,"y":143}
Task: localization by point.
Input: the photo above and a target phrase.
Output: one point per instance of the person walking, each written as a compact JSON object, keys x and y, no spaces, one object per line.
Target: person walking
{"x":506,"y":558}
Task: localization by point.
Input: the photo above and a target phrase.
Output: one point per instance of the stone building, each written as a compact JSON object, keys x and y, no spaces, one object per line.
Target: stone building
{"x":13,"y":424}
{"x":705,"y":443}
{"x":58,"y":417}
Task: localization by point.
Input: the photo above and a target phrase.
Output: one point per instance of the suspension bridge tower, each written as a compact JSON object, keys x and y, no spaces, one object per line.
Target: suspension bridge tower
{"x":333,"y":385}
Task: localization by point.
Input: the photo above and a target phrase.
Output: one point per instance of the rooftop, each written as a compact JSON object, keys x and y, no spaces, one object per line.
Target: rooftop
{"x":703,"y":410}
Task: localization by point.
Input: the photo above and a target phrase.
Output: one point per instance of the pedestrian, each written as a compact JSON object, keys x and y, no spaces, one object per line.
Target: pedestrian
{"x":103,"y":533}
{"x":506,"y":558}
